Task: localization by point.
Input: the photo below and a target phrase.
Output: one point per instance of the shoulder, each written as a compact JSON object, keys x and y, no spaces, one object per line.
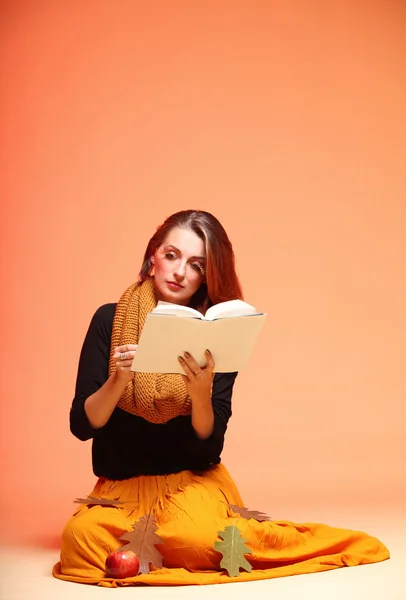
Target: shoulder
{"x":105,"y":312}
{"x":102,"y":320}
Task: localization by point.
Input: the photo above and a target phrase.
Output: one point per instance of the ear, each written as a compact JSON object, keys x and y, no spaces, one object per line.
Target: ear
{"x":152,"y":270}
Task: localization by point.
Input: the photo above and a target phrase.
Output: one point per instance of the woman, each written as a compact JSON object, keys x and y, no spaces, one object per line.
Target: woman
{"x":157,"y":439}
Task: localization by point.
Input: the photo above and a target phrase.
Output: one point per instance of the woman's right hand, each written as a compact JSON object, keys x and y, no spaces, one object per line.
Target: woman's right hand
{"x":123,"y":357}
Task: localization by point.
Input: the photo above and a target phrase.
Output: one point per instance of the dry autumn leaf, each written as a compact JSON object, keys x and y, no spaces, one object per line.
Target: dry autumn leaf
{"x":233,"y":548}
{"x":142,"y":540}
{"x":246,"y":513}
{"x":91,"y":500}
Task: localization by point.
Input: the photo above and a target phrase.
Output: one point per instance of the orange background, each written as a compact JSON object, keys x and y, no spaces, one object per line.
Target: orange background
{"x":284,"y":118}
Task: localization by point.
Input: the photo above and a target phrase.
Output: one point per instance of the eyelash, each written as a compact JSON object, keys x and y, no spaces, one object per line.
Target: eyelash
{"x":196,"y":266}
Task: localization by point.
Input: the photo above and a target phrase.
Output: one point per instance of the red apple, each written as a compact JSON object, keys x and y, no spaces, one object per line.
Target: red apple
{"x":121,"y":564}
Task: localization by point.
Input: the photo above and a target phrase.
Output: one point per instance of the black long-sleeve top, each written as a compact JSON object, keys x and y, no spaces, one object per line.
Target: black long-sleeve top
{"x":128,"y":445}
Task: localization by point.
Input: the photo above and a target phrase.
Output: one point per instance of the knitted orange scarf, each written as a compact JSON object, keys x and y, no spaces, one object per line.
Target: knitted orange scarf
{"x":155,"y":397}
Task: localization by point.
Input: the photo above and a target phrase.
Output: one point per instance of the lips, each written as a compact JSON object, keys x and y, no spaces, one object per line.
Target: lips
{"x":175,"y":284}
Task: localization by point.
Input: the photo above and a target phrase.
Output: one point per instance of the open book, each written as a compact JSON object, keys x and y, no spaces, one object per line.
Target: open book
{"x":229,"y":330}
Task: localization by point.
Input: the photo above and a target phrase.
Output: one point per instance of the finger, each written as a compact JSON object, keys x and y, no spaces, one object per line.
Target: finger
{"x":126,"y":348}
{"x":210,"y":360}
{"x":193,"y":365}
{"x":186,"y":367}
{"x":124,"y":357}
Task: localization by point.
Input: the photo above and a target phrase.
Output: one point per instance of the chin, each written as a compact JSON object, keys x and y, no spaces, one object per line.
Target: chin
{"x":168,"y":295}
{"x":176,"y":299}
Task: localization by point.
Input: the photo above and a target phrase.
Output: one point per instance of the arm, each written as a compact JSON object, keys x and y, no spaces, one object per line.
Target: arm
{"x":92,"y":403}
{"x":208,"y":450}
{"x":203,"y":416}
{"x":199,"y":383}
{"x":100,"y":405}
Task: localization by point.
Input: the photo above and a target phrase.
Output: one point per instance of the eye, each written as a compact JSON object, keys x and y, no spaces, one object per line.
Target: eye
{"x":198,"y":267}
{"x":170,"y":255}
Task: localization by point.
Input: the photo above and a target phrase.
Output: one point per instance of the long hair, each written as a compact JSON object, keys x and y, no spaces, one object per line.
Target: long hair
{"x":221,"y":281}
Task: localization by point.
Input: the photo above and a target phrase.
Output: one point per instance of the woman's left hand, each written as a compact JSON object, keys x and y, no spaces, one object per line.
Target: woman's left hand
{"x":199,"y":380}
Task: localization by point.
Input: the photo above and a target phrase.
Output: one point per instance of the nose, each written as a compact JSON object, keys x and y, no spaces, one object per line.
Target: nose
{"x":180,"y":270}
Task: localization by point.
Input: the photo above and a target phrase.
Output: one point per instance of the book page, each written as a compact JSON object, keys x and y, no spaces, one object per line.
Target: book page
{"x":231,"y":308}
{"x":166,"y":308}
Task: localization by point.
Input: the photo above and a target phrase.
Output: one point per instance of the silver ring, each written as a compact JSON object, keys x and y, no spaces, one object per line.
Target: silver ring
{"x":123,"y":355}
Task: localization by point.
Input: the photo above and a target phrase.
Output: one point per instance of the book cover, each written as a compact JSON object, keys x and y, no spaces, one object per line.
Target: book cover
{"x":230,"y":333}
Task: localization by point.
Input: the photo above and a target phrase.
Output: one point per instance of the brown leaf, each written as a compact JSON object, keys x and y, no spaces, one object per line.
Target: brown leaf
{"x":246,"y":513}
{"x":233,"y":548}
{"x":91,"y":500}
{"x":142,"y":540}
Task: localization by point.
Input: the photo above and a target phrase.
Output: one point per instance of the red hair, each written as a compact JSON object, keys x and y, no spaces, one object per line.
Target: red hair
{"x":221,"y":281}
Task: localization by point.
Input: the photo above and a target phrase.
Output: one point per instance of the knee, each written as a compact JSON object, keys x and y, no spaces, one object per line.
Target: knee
{"x":96,"y":526}
{"x":188,"y":537}
{"x":78,"y":528}
{"x":189,"y":543}
{"x":85,"y":544}
{"x":187,"y":526}
{"x":188,"y":548}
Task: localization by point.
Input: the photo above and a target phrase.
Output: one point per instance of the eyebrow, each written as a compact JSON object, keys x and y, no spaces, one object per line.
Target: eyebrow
{"x":177,"y":250}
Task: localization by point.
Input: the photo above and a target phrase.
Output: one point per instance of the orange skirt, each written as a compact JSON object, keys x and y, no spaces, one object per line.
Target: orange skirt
{"x":190,"y":510}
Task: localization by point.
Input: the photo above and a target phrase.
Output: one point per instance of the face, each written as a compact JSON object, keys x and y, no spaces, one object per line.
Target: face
{"x":179,"y":266}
